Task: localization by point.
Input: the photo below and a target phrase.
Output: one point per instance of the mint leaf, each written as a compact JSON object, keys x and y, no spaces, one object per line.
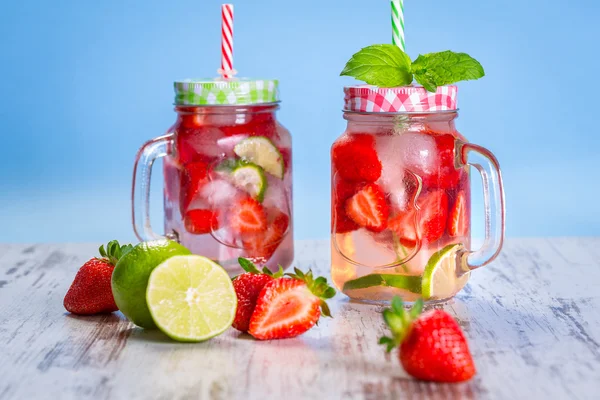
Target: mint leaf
{"x":383,"y":65}
{"x":446,"y":67}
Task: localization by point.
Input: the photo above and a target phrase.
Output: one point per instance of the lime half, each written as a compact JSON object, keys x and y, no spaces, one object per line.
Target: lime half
{"x":250,"y":178}
{"x":262,"y":152}
{"x":407,"y":282}
{"x":191,"y":298}
{"x":440,"y":278}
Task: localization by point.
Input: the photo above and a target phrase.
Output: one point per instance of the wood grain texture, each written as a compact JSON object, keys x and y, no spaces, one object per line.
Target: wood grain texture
{"x":532,"y":319}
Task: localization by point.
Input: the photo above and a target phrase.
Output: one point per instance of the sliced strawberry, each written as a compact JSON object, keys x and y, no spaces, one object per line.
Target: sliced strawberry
{"x":247,"y":287}
{"x":201,"y":221}
{"x":262,"y":245}
{"x":368,"y":208}
{"x":340,"y":222}
{"x":404,"y":225}
{"x":355,"y":159}
{"x":289,"y":307}
{"x":248,"y":216}
{"x":458,"y":220}
{"x":433,"y":214}
{"x":193,"y":177}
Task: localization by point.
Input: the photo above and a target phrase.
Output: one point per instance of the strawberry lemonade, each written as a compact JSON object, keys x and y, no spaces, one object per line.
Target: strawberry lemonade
{"x":228,"y":173}
{"x":400,"y":200}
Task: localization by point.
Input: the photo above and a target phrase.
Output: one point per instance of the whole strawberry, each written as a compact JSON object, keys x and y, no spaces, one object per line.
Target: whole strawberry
{"x":91,"y":293}
{"x":247,"y":288}
{"x":432,"y":345}
{"x":289,"y":306}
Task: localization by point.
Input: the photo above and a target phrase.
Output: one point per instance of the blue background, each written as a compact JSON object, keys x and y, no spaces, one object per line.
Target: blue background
{"x":83,"y":84}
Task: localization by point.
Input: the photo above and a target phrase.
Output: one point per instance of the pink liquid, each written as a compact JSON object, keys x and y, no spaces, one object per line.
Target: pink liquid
{"x":426,"y":205}
{"x":200,"y":201}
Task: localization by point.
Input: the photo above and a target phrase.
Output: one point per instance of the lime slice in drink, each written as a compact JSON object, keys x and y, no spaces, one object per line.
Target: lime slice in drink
{"x":250,"y":178}
{"x":130,"y":278}
{"x":191,"y":298}
{"x":406,"y":282}
{"x":440,"y":278}
{"x":261,"y":151}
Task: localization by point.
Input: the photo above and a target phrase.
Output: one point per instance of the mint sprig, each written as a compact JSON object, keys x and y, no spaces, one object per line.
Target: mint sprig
{"x":385,"y":65}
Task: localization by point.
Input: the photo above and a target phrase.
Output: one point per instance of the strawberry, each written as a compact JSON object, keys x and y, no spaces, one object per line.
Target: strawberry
{"x":262,"y":245}
{"x":201,"y":221}
{"x":355,"y":159}
{"x":457,"y":220}
{"x":432,"y":217}
{"x":193,"y":177}
{"x":288,"y":307}
{"x":247,"y":288}
{"x":248,"y":216}
{"x":91,"y":292}
{"x":340,"y":222}
{"x":432,"y":345}
{"x":368,"y":208}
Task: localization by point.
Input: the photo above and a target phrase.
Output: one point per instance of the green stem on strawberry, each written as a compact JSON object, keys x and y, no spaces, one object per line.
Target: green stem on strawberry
{"x":250,"y":267}
{"x":113,"y":252}
{"x":399,"y":320}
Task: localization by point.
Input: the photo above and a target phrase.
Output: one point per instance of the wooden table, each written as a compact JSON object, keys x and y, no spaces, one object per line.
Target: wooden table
{"x":532,"y":320}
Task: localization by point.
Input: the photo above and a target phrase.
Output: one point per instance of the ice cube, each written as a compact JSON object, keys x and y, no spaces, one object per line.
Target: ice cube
{"x":276,"y":194}
{"x":219,"y":193}
{"x":228,"y":143}
{"x":204,"y":141}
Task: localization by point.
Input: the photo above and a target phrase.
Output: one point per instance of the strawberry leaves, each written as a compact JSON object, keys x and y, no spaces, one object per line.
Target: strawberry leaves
{"x":113,"y":252}
{"x":399,"y":320}
{"x":250,"y":267}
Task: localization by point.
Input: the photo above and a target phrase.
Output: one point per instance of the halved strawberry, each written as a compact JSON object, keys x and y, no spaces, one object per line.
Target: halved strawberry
{"x":340,"y":222}
{"x":248,"y":216}
{"x":355,"y":159}
{"x":368,"y":208}
{"x":289,"y":307}
{"x":247,"y":287}
{"x":458,"y":222}
{"x":201,"y":221}
{"x":432,"y":217}
{"x":193,"y":177}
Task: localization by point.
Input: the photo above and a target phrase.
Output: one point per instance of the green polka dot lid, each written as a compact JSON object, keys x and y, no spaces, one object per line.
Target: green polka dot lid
{"x":224,"y":92}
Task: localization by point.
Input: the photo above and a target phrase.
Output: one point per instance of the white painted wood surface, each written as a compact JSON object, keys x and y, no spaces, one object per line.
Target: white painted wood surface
{"x":532,"y":320}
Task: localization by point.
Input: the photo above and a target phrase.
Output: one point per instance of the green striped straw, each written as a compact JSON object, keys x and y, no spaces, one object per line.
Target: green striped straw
{"x":398,"y":24}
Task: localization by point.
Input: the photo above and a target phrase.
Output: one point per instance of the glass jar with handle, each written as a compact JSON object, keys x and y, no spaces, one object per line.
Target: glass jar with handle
{"x":227,"y":174}
{"x":401,"y":198}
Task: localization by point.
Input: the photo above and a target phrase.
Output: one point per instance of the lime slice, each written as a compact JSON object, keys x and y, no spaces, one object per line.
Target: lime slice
{"x":440,"y":279}
{"x":191,"y":298}
{"x":261,"y":151}
{"x":406,"y":282}
{"x":250,"y":178}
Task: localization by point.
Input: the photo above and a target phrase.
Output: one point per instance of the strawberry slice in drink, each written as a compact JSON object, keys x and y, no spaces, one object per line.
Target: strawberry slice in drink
{"x":262,"y":245}
{"x":368,"y":208}
{"x":248,"y":216}
{"x":458,"y":221}
{"x":432,"y":218}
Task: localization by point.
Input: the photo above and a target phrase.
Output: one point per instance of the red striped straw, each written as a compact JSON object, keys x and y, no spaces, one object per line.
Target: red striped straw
{"x":227,"y":41}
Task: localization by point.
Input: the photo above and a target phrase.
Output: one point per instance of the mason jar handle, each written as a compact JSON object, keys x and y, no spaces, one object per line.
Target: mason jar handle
{"x":140,"y":191}
{"x":493,"y":200}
